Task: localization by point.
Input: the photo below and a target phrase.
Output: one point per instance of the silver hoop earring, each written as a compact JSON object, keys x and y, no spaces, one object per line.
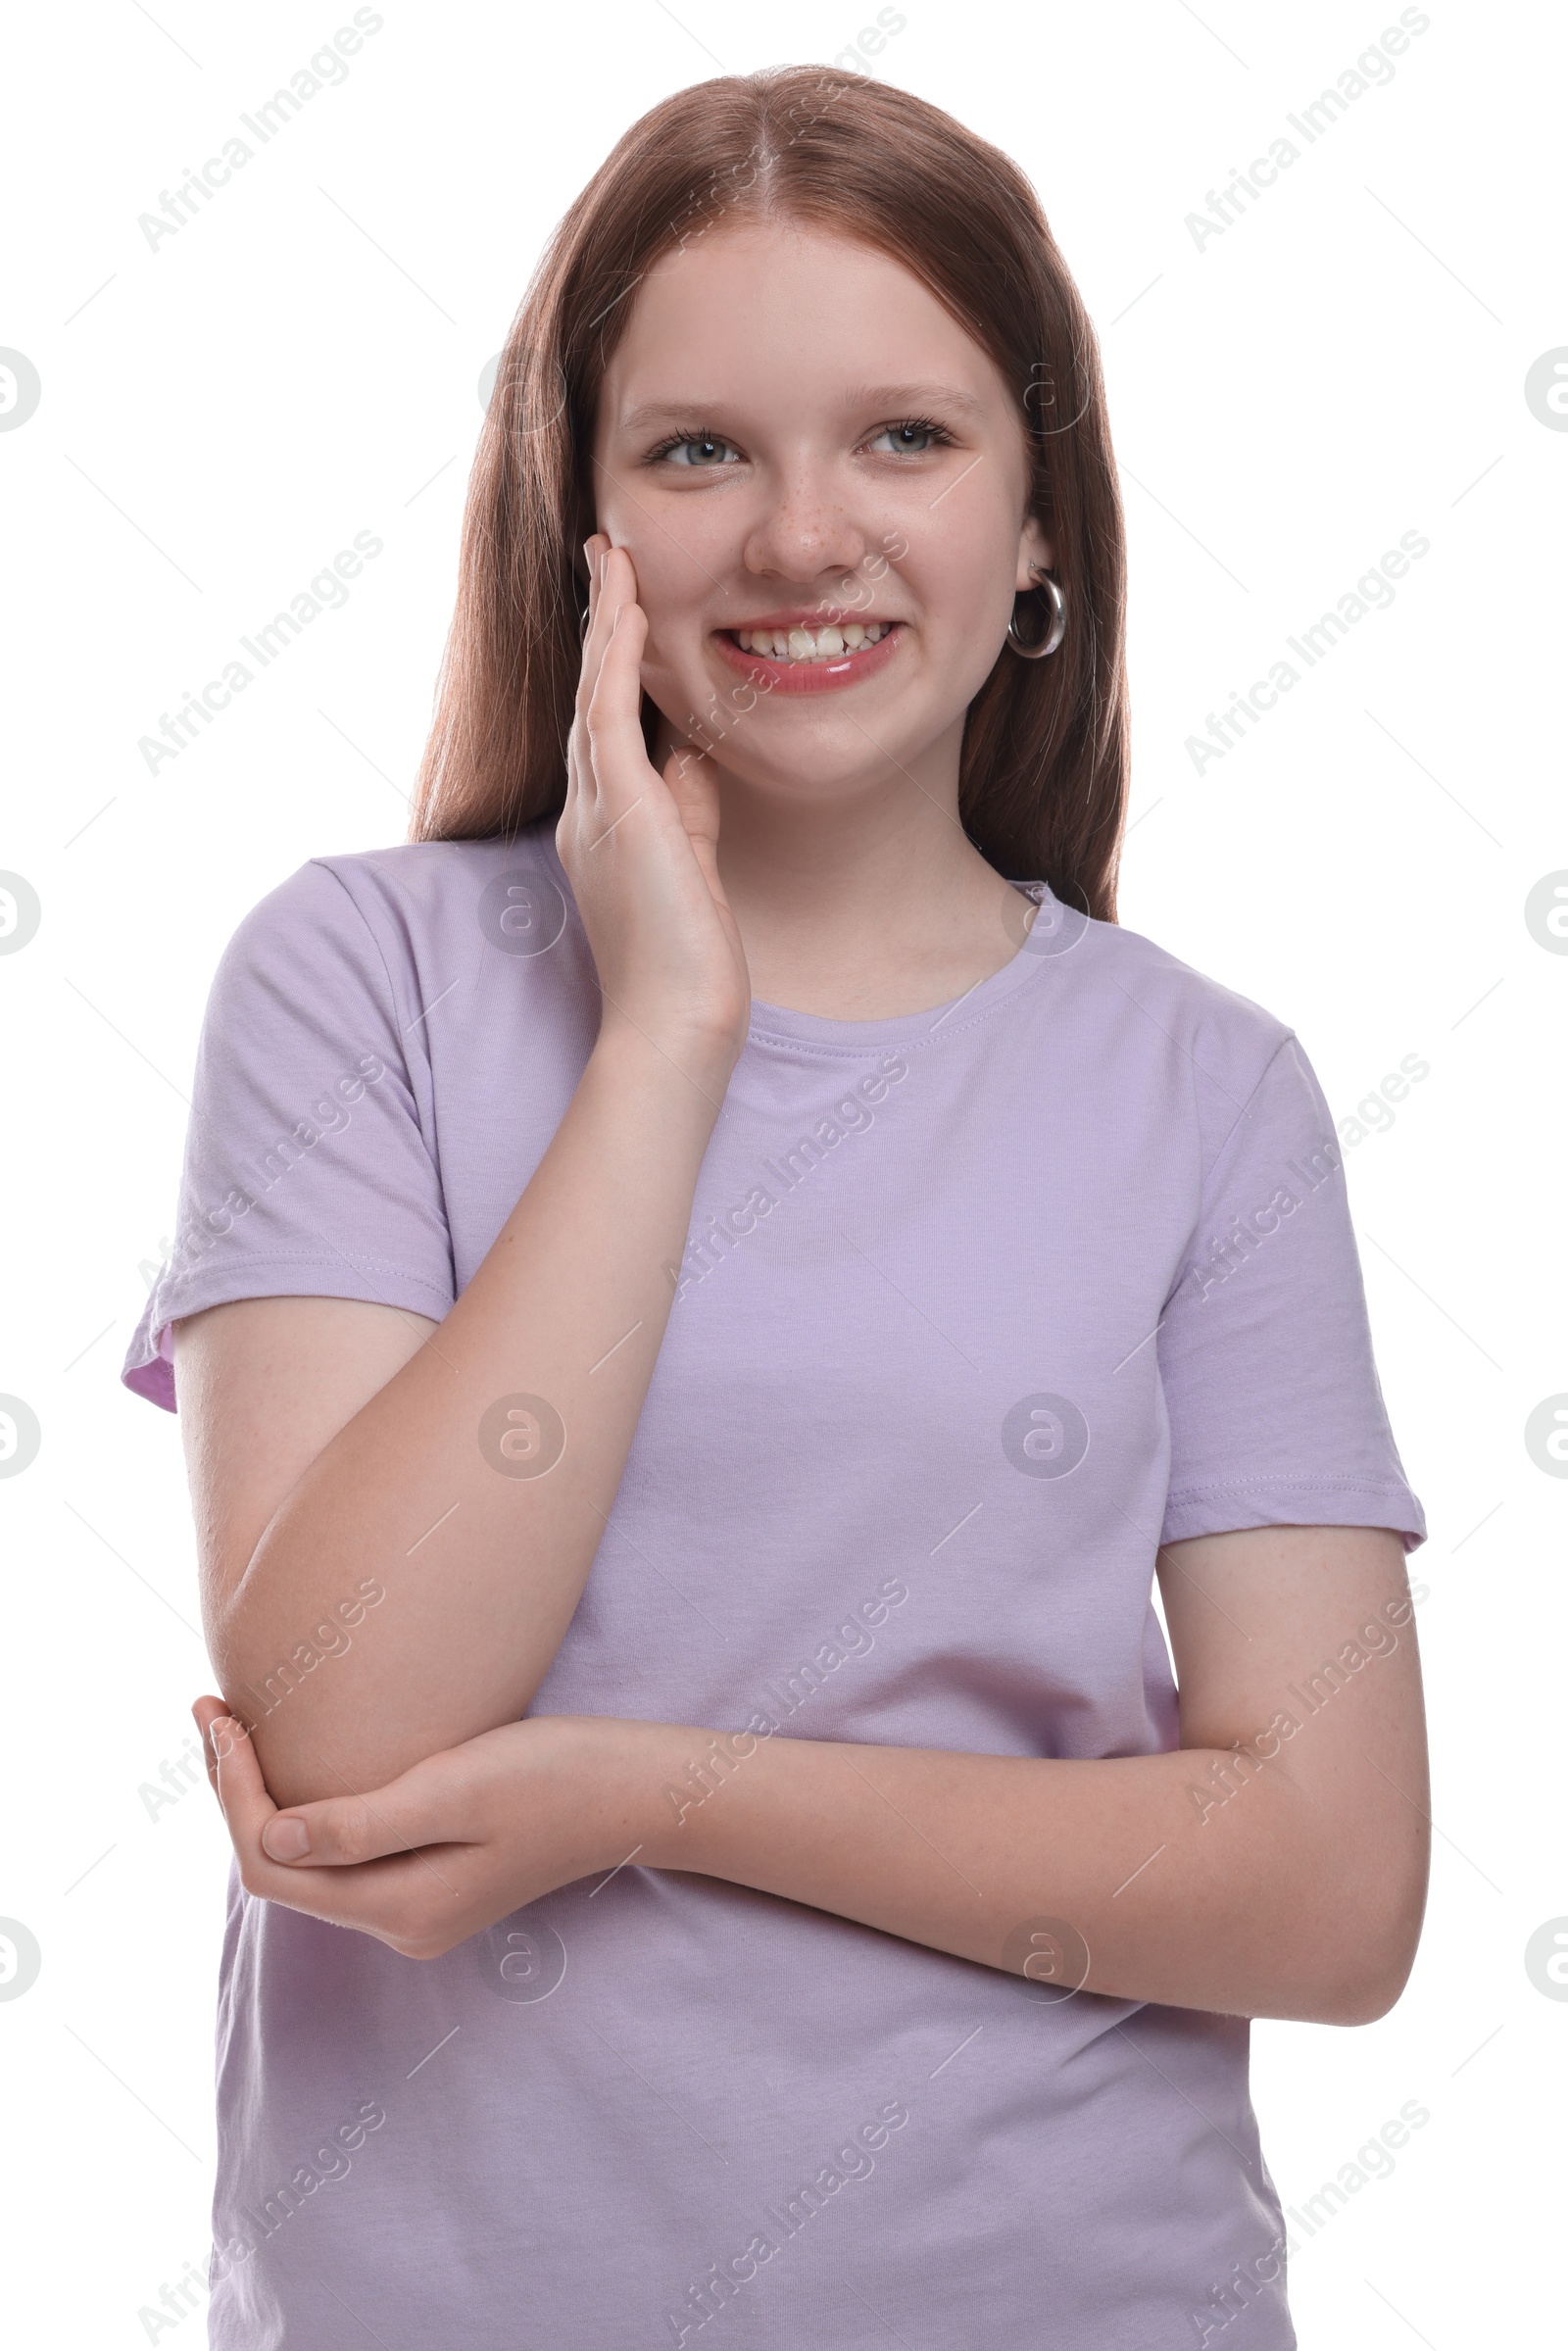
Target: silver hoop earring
{"x":1056,"y":626}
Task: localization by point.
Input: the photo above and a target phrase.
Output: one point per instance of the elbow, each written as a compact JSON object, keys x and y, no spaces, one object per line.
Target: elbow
{"x":1362,"y":1993}
{"x":304,"y":1754}
{"x":298,"y":1707}
{"x":1365,"y":1949}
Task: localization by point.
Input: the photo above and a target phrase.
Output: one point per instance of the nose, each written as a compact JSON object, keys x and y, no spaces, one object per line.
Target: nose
{"x":806,"y":532}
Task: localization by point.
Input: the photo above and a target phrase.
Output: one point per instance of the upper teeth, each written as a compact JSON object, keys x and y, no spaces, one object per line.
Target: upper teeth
{"x":811,"y":645}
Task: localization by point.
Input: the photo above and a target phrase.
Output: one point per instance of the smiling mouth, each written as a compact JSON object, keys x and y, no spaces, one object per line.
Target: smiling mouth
{"x":800,"y":644}
{"x":796,"y":659}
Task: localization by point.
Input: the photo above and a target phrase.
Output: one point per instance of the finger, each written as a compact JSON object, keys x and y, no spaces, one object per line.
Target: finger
{"x":621,"y":573}
{"x":616,"y":750}
{"x":380,"y":1900}
{"x":397,"y":1899}
{"x":597,"y":546}
{"x":604,"y":593}
{"x":596,"y":635}
{"x":425,"y":1806}
{"x":214,"y":1721}
{"x":241,"y":1788}
{"x":615,"y":588}
{"x":593,"y":548}
{"x":204,"y":1713}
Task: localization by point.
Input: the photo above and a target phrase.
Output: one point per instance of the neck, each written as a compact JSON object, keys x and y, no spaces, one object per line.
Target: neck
{"x":868,"y":900}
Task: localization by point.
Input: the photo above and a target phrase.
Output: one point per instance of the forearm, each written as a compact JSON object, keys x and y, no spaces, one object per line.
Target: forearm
{"x":479,"y":1539}
{"x":1263,"y":1903}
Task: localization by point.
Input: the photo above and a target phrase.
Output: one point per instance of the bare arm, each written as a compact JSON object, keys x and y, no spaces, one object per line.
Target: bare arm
{"x":466,"y":1480}
{"x":1274,"y":1864}
{"x":1287,"y":1879}
{"x":401,"y":1590}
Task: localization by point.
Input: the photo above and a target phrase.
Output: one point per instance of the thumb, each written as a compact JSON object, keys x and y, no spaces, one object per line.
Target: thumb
{"x":424,"y":1806}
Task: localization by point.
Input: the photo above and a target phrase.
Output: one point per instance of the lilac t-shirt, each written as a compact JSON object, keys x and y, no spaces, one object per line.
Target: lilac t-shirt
{"x":980,"y":1305}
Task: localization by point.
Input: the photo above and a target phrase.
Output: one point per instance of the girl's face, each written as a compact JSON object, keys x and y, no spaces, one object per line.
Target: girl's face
{"x":822,"y":483}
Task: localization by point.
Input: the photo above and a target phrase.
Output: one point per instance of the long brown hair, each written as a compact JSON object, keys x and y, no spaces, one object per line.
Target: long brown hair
{"x":1043,"y":777}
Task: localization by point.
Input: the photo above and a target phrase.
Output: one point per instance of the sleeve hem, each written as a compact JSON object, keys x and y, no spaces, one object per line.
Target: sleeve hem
{"x":151,"y":1374}
{"x":1243,"y":1502}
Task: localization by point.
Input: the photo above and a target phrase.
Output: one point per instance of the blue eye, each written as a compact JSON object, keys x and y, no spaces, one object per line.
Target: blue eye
{"x":705,"y":448}
{"x":915,"y":437}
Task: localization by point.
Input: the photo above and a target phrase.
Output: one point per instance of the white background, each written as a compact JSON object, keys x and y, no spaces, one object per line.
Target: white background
{"x":1344,"y":365}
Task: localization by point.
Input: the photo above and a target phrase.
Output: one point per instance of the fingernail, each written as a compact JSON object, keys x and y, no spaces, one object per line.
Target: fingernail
{"x":287,"y":1839}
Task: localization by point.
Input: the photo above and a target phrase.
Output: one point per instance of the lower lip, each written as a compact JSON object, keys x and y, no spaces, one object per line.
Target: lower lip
{"x":811,"y":677}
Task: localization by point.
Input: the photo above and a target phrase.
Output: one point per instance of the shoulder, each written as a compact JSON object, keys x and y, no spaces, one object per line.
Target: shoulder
{"x":393,"y":904}
{"x":1230,"y":1040}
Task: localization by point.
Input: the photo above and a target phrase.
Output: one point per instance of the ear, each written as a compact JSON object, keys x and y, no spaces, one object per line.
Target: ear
{"x":1035,"y":553}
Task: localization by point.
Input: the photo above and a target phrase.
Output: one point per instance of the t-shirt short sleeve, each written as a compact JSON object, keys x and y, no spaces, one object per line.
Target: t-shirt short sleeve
{"x":1276,"y":1415}
{"x":308,"y":1170}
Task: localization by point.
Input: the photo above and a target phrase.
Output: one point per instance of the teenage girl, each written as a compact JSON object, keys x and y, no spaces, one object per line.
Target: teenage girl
{"x":710,"y":1284}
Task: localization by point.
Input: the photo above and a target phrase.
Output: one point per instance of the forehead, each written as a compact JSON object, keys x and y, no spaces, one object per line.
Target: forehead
{"x":773,"y":309}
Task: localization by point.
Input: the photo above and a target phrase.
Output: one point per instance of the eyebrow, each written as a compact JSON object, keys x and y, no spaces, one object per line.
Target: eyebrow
{"x":885,"y":397}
